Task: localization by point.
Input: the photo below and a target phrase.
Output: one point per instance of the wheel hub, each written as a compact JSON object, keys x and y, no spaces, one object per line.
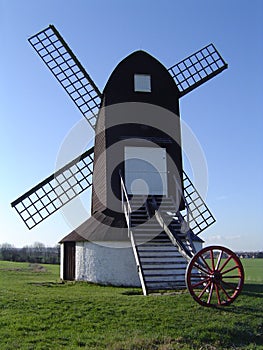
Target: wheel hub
{"x":217,"y":277}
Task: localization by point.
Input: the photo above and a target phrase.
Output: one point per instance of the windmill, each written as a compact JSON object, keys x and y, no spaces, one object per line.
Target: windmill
{"x":162,"y":214}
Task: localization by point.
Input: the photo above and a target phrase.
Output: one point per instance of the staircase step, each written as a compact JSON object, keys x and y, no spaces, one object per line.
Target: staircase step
{"x":150,"y":239}
{"x":175,"y":286}
{"x":153,"y":244}
{"x":149,"y":226}
{"x":165,"y":264}
{"x":149,"y":231}
{"x":177,"y":266}
{"x":163,"y":259}
{"x":157,"y":248}
{"x":161,"y":277}
{"x":165,"y":284}
{"x":146,"y":259}
{"x":177,"y":259}
{"x":164,"y":273}
{"x":160,"y":258}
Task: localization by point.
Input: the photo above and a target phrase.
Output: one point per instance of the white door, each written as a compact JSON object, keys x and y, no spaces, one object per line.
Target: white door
{"x":145,"y":170}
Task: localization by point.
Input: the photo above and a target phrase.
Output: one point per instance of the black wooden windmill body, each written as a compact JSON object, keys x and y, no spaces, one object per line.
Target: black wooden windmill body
{"x":133,"y":148}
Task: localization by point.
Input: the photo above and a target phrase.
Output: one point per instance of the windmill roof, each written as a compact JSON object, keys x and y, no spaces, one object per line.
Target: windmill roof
{"x":99,"y":227}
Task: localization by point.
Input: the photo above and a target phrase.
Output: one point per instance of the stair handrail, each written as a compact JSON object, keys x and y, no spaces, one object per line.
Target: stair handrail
{"x":126,"y":207}
{"x":179,"y":195}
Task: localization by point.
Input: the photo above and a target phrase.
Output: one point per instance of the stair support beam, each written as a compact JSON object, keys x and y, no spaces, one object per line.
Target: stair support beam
{"x":138,"y":263}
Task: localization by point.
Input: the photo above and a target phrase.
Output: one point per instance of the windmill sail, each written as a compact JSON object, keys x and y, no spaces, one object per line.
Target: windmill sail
{"x":197,"y":69}
{"x":55,"y":191}
{"x":67,"y":69}
{"x":200,"y":216}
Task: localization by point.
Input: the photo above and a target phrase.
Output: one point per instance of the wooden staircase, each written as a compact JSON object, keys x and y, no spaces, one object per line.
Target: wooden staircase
{"x":162,"y":265}
{"x":162,"y":236}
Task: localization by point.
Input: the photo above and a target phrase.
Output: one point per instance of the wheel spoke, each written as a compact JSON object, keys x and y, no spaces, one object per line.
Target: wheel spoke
{"x":217,"y":294}
{"x":219,"y":259}
{"x":202,"y":292}
{"x":231,"y":269}
{"x":206,"y":264}
{"x":210,"y":293}
{"x":198,"y":275}
{"x":229,"y":285}
{"x":201,"y":269}
{"x":224,"y":291}
{"x":232,"y":276}
{"x":225,"y":263}
{"x":201,"y":282}
{"x":212,"y":259}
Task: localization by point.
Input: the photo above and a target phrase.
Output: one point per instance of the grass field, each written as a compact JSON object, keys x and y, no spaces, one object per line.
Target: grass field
{"x":39,"y":312}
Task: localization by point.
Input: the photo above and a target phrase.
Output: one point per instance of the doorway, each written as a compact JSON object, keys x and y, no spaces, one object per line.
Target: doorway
{"x":145,"y":170}
{"x":69,"y":261}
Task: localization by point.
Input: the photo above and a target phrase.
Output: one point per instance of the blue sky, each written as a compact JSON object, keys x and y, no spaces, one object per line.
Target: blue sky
{"x":225,"y":114}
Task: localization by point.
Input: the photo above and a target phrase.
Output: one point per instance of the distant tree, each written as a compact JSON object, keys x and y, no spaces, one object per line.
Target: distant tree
{"x":8,"y":252}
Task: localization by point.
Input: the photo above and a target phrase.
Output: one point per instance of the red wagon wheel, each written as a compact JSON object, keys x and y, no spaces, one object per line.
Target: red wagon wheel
{"x":215,"y":276}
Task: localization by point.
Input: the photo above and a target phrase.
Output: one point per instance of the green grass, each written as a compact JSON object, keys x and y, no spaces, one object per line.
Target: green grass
{"x":39,"y":312}
{"x":253,"y":270}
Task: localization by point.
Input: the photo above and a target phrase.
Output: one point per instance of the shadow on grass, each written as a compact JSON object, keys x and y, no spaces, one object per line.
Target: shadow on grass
{"x":47,"y":284}
{"x":246,"y":308}
{"x":132,"y":292}
{"x":253,"y":290}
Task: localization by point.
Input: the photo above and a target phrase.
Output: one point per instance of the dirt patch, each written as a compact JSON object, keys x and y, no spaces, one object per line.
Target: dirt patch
{"x":31,"y":267}
{"x":37,"y":268}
